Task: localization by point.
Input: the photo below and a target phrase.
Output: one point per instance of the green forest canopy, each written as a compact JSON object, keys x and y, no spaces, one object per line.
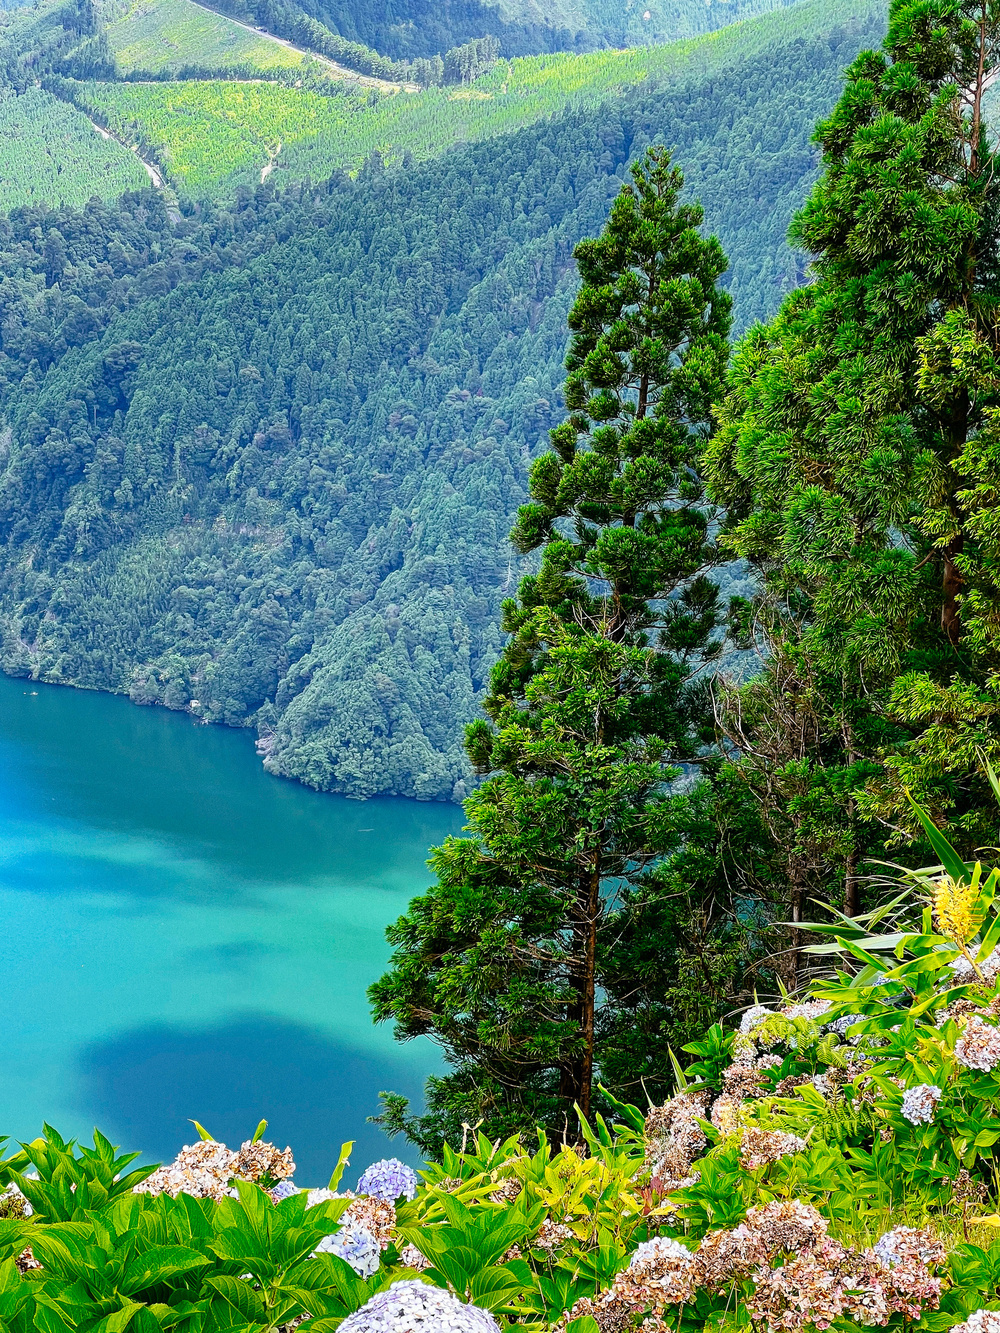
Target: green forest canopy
{"x":307,"y":530}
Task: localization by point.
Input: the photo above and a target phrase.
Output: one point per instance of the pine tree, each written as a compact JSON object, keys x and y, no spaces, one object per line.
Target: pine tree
{"x":853,"y":427}
{"x":598,"y":696}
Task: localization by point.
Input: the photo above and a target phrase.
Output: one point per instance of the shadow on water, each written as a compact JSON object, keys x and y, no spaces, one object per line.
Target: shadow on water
{"x":146,"y":1085}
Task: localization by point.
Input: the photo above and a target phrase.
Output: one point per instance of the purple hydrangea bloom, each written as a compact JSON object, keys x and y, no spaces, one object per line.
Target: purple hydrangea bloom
{"x":355,"y":1246}
{"x":284,"y":1190}
{"x":414,"y":1307}
{"x":388,"y":1179}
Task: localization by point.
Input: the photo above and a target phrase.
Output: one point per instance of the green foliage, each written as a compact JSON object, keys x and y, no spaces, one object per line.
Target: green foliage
{"x":208,"y":135}
{"x":103,"y":1253}
{"x":524,"y":27}
{"x":306,"y":531}
{"x":53,"y":155}
{"x":853,"y":426}
{"x":169,"y":34}
{"x":62,"y":1181}
{"x":595,"y":699}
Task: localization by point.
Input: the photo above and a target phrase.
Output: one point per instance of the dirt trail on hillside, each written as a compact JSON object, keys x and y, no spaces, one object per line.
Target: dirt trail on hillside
{"x":341,"y":71}
{"x":152,"y":171}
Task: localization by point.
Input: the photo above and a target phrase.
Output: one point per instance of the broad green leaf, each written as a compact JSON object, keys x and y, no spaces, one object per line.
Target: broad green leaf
{"x":493,"y":1287}
{"x":241,"y":1296}
{"x":950,"y":859}
{"x":119,"y":1320}
{"x":585,"y":1324}
{"x":631,"y":1115}
{"x":158,"y":1265}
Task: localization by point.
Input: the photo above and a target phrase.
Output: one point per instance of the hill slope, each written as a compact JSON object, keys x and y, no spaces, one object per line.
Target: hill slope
{"x":50,"y":153}
{"x":306,"y":530}
{"x":158,"y":35}
{"x":210,"y":137}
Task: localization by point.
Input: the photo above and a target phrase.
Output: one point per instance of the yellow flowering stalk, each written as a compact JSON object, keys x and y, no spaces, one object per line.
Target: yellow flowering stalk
{"x":954,"y":906}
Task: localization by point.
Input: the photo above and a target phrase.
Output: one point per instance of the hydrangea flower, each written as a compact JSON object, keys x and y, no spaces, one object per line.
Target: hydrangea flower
{"x":314,"y":1197}
{"x":760,"y":1147}
{"x":388,"y":1179}
{"x":908,"y":1244}
{"x":989,"y":967}
{"x":412,"y":1306}
{"x":920,"y":1102}
{"x":284,"y":1190}
{"x":841,"y":1025}
{"x":980,"y":1321}
{"x":355,"y":1246}
{"x":658,"y":1252}
{"x":753,"y":1017}
{"x":979,"y":1046}
{"x":811,"y":1009}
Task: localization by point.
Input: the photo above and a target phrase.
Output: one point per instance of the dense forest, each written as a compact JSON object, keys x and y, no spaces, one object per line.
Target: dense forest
{"x":307,"y":530}
{"x":425,"y":28}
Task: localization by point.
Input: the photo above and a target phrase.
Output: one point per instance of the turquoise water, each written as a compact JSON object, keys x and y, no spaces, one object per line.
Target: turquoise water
{"x":186,"y":937}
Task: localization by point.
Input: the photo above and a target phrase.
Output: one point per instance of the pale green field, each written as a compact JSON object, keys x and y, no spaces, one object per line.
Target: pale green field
{"x":158,"y":35}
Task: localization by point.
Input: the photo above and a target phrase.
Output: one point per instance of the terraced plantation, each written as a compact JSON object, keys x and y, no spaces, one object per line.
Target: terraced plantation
{"x":159,"y":35}
{"x":49,"y":152}
{"x":211,"y":135}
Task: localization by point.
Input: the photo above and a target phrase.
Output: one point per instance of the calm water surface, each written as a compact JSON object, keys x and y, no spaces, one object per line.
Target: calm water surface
{"x":186,"y":937}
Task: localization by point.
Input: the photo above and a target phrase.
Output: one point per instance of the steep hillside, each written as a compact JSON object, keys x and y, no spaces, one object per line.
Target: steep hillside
{"x":158,"y":35}
{"x":51,"y":153}
{"x":525,"y":27}
{"x":306,"y":529}
{"x":210,"y":137}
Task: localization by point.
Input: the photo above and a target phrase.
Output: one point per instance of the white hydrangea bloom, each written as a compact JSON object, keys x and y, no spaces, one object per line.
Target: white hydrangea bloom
{"x":753,"y":1017}
{"x":811,"y":1009}
{"x":412,"y":1306}
{"x":920,"y":1102}
{"x":657,"y":1253}
{"x":980,"y":1321}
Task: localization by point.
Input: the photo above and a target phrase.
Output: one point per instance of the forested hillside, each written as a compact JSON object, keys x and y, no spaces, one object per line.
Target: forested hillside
{"x":428,"y":27}
{"x":210,"y":136}
{"x":306,"y":529}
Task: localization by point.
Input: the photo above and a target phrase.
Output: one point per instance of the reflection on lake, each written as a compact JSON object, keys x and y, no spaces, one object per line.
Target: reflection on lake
{"x":188,"y":938}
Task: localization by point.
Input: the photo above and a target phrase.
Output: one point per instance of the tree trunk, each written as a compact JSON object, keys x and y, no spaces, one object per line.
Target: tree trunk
{"x":589,"y":984}
{"x":577,"y":1077}
{"x":852,"y":889}
{"x":951,"y":586}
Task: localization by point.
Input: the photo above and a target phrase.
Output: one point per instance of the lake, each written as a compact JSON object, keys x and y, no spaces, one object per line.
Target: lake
{"x":187,"y":938}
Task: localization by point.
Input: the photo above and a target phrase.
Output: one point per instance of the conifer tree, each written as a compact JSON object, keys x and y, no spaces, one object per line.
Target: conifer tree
{"x":596,"y":699}
{"x":854,"y":425}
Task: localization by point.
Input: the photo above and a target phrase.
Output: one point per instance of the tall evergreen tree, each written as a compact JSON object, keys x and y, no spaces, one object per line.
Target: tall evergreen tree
{"x":596,"y":700}
{"x":854,"y":425}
